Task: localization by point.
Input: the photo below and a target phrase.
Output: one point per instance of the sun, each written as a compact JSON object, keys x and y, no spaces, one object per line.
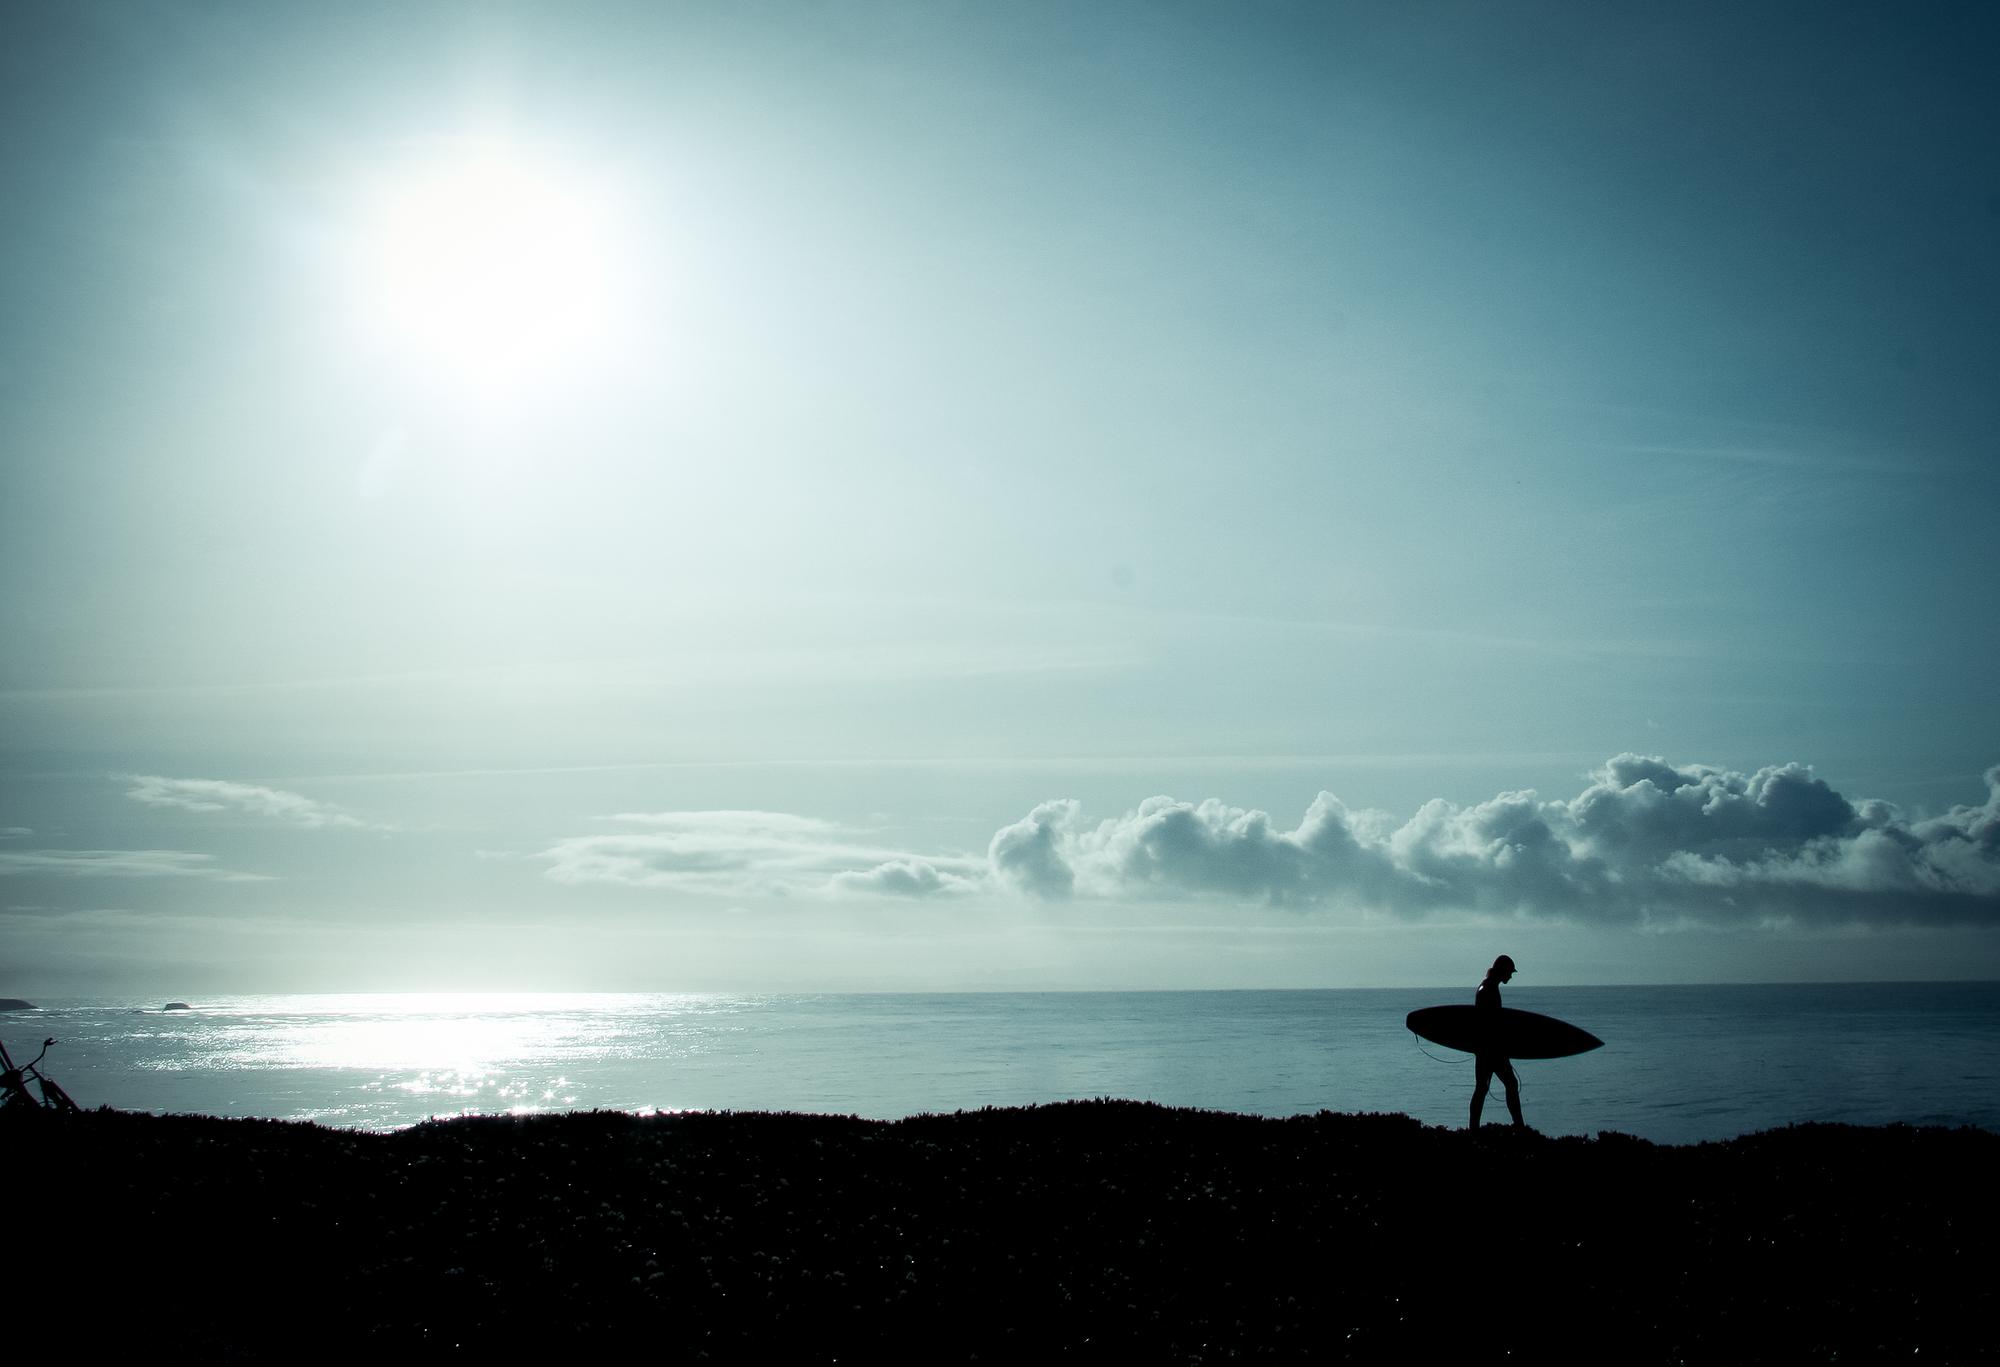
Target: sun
{"x":490,"y":267}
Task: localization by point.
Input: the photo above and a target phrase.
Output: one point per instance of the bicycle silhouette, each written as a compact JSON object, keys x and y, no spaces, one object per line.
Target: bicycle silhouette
{"x":14,"y":1093}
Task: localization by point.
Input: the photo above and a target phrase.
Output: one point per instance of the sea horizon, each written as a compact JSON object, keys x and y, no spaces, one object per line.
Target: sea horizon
{"x":1680,"y":1062}
{"x":37,"y":1001}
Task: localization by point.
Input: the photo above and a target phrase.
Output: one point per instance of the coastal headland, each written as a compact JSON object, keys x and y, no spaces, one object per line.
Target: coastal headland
{"x":1084,"y":1231}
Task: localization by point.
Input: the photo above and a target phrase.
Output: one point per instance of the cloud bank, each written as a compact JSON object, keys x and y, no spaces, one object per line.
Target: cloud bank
{"x":749,"y":853}
{"x":221,"y":795}
{"x":1645,"y":843}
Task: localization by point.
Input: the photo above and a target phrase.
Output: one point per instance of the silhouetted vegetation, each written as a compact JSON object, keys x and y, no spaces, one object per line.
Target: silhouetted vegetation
{"x":1083,"y":1231}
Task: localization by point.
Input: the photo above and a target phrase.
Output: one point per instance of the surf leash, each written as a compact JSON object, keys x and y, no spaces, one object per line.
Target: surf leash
{"x":1429,"y":1055}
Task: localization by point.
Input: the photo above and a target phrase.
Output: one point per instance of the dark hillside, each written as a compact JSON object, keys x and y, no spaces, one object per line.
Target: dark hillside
{"x":1084,"y":1232}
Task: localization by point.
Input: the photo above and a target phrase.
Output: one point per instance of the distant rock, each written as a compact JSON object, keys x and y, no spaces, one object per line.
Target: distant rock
{"x":177,"y":1006}
{"x":16,"y":1004}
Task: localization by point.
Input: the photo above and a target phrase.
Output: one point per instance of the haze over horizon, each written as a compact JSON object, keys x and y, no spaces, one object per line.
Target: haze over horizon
{"x":902,"y":496}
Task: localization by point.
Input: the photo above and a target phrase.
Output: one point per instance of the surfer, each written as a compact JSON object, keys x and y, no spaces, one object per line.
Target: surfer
{"x":1487,"y":998}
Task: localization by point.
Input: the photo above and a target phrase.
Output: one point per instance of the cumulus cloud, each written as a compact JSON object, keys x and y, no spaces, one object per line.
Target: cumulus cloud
{"x":1028,"y":855}
{"x":903,"y":878}
{"x":120,"y":864}
{"x":1645,"y":840}
{"x":751,"y":853}
{"x":222,"y":795}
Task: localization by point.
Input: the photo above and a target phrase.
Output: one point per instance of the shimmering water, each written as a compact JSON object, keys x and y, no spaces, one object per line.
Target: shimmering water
{"x":1679,"y":1064}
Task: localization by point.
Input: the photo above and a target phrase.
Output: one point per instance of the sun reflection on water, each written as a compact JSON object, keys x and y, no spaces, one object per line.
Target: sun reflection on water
{"x":468,"y":1034}
{"x":435,"y":1053}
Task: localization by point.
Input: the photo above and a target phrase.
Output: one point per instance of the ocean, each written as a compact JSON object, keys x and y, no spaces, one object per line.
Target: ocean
{"x":1679,"y":1065}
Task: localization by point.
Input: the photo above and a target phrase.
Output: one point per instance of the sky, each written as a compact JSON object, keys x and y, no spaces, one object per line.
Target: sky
{"x":932,"y":496}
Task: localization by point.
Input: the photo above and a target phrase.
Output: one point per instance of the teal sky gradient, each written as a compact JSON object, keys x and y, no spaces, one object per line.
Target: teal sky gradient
{"x":1008,"y":404}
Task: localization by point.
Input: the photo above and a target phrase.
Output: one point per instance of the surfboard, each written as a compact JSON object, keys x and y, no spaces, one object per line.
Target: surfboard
{"x":1506,"y":1033}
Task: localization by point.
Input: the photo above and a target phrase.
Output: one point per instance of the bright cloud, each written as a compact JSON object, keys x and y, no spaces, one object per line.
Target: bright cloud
{"x":1645,"y":839}
{"x":904,"y":878}
{"x":749,"y":853}
{"x":221,"y":795}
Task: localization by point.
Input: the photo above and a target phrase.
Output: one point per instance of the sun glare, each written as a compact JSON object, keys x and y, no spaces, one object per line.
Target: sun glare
{"x":492,"y":268}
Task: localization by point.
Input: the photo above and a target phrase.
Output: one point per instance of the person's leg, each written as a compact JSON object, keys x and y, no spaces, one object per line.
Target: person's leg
{"x":1513,"y":1086}
{"x":1484,"y":1074}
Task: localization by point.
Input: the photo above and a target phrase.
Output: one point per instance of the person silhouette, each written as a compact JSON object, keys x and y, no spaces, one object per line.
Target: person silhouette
{"x":1487,"y":998}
